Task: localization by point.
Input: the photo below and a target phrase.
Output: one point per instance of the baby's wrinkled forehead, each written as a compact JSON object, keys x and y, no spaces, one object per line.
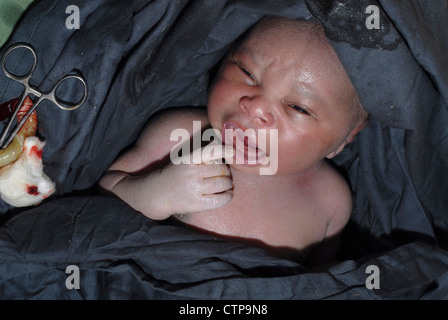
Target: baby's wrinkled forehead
{"x":276,"y":28}
{"x":284,"y":35}
{"x":292,"y":40}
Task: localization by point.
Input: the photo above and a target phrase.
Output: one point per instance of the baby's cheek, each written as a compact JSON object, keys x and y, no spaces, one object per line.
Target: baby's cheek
{"x":294,"y":156}
{"x":223,"y":99}
{"x":220,"y":92}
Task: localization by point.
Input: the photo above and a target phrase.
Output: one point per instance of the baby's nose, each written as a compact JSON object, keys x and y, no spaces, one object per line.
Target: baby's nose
{"x":259,"y":109}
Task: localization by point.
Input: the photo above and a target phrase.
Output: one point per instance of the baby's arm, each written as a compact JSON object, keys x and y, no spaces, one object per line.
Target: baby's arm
{"x":145,"y":179}
{"x":152,"y":148}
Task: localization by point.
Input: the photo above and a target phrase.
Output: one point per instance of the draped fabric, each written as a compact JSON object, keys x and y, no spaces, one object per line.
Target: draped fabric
{"x":141,"y":56}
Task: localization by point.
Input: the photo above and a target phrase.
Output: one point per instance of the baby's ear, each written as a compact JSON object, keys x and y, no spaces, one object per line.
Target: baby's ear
{"x":337,"y":151}
{"x":349,"y":139}
{"x":356,"y":130}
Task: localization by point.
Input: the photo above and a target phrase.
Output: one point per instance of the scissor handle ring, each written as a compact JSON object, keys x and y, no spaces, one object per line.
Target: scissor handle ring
{"x":13,"y":76}
{"x":54,"y":99}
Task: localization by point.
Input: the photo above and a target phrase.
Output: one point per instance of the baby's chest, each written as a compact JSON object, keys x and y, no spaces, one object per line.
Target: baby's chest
{"x":272,"y":221}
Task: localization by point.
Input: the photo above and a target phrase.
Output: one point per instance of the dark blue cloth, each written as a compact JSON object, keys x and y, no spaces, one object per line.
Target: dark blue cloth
{"x":139,"y":57}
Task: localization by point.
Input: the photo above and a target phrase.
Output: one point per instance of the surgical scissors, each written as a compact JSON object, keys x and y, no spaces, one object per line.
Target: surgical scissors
{"x":5,"y":140}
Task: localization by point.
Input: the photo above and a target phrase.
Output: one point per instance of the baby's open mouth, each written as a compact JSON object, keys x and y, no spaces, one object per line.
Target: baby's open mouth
{"x":248,"y":152}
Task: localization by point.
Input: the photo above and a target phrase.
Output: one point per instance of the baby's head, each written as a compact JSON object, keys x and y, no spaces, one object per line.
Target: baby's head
{"x":285,"y":76}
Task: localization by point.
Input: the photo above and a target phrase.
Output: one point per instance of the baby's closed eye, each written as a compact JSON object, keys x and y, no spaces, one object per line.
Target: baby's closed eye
{"x":300,"y":109}
{"x":245,"y":70}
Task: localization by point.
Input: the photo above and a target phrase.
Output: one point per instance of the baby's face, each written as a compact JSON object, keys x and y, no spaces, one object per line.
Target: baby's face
{"x":288,"y":82}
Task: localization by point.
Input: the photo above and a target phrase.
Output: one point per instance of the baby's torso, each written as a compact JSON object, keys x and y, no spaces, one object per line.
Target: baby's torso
{"x":282,"y":220}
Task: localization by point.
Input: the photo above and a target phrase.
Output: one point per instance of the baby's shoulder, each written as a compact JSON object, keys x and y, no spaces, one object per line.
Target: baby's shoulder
{"x":335,"y":199}
{"x":161,"y":125}
{"x":183,"y":115}
{"x":178,"y":118}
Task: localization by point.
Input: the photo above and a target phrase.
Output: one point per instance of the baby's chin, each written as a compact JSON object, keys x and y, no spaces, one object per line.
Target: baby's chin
{"x":253,"y":169}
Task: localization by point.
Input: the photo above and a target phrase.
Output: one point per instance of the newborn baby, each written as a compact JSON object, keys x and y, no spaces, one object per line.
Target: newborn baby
{"x":283,"y":77}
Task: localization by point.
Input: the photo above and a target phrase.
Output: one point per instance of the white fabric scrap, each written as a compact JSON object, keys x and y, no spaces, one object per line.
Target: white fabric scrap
{"x":23,"y":183}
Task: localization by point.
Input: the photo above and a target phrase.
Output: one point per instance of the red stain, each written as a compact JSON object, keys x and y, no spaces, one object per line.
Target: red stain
{"x":32,"y":190}
{"x":7,"y":108}
{"x":36,"y":151}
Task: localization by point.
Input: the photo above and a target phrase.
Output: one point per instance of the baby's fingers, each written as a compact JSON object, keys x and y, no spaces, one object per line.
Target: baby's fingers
{"x":206,"y":171}
{"x":216,"y":185}
{"x":214,"y":201}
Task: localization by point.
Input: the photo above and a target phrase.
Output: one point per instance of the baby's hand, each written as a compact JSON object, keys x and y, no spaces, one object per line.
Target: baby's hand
{"x":189,"y":188}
